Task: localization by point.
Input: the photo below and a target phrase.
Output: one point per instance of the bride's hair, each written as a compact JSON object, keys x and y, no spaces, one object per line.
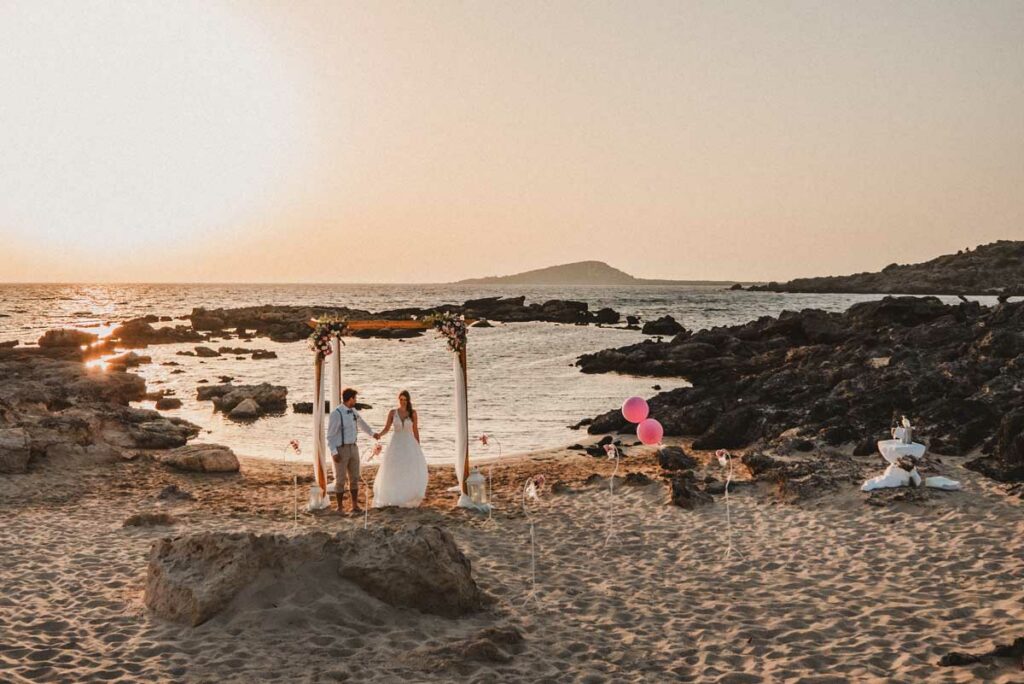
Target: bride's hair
{"x":408,"y":402}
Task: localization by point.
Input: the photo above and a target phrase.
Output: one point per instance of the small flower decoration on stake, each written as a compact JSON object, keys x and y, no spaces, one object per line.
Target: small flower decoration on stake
{"x":295,"y":448}
{"x":485,"y":440}
{"x":725,"y":460}
{"x":612,"y":452}
{"x":531,"y":492}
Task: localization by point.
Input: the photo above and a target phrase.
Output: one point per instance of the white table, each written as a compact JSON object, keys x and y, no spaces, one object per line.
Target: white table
{"x":894,"y":449}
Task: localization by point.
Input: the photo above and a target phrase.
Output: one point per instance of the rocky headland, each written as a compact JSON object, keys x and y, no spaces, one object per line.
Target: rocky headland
{"x":54,"y":407}
{"x":807,"y":380}
{"x":994,"y":269}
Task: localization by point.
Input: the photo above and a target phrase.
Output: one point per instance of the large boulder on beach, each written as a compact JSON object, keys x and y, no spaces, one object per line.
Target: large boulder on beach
{"x":201,"y":458}
{"x":193,"y":578}
{"x":66,"y":338}
{"x":15,"y":450}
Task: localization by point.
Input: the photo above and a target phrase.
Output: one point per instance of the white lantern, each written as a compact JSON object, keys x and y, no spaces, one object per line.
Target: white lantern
{"x":477,"y":486}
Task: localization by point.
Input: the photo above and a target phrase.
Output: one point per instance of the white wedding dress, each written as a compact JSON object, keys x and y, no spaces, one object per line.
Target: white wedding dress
{"x":402,"y":476}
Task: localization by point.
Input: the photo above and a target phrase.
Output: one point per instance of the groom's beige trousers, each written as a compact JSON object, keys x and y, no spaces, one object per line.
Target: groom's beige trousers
{"x":346,"y":461}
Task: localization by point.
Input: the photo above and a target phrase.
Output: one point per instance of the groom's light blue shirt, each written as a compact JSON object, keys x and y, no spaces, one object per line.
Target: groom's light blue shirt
{"x":342,"y":425}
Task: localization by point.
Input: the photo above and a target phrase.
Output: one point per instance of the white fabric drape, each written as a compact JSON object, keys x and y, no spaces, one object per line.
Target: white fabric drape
{"x":319,"y":446}
{"x":461,"y":427}
{"x":335,"y":373}
{"x":335,"y":395}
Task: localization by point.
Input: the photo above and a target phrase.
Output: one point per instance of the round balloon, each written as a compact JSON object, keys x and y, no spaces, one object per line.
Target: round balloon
{"x":650,"y":432}
{"x":635,"y":409}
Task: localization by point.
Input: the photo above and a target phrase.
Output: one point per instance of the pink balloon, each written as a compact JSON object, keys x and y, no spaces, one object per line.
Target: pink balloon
{"x":650,"y":432}
{"x":635,"y":409}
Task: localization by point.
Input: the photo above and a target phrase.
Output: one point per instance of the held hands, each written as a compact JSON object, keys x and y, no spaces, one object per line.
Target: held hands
{"x":376,"y":435}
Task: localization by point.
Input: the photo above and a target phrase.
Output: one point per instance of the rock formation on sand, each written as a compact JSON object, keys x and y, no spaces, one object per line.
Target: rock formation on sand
{"x":193,"y":578}
{"x":993,"y":269}
{"x":61,"y":409}
{"x":201,"y":458}
{"x":813,"y":377}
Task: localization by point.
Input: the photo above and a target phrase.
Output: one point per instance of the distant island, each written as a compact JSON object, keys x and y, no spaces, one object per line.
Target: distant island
{"x":993,"y":269}
{"x":595,"y":273}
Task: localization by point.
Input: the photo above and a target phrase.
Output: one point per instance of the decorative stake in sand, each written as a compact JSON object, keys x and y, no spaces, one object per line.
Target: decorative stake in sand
{"x":295,"y":448}
{"x":486,"y":440}
{"x":374,"y":452}
{"x":725,"y":460}
{"x":531,"y":491}
{"x":613,"y":453}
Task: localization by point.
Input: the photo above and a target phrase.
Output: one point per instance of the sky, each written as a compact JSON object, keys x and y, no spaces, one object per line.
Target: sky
{"x":432,"y":141}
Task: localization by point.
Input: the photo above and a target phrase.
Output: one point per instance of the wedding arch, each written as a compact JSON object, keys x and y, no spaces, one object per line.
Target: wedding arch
{"x":325,"y":343}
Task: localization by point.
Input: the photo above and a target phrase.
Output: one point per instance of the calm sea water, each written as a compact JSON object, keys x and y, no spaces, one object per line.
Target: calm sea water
{"x":523,"y":388}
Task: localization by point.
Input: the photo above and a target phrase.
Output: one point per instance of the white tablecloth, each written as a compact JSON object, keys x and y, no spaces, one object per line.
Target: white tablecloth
{"x":893,"y":449}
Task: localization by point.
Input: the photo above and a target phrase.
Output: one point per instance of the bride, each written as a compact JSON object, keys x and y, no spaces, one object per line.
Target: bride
{"x":402,"y":477}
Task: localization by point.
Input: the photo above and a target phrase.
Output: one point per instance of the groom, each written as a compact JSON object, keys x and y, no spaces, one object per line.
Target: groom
{"x":341,"y":440}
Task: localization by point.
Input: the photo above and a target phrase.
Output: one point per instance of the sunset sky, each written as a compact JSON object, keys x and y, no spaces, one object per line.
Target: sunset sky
{"x":433,"y":141}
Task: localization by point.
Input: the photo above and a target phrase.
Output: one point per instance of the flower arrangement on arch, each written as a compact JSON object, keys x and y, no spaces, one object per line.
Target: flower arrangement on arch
{"x":452,"y":327}
{"x":325,"y":330}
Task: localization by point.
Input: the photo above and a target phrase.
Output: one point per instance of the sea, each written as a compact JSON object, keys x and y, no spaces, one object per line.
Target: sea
{"x":524,"y":389}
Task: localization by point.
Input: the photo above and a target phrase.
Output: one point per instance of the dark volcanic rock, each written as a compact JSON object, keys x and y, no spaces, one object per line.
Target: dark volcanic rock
{"x":291,"y":323}
{"x":841,"y":378}
{"x":666,"y":325}
{"x":731,"y":430}
{"x":1014,"y":651}
{"x":1006,"y":464}
{"x":685,"y":491}
{"x":674,"y":458}
{"x":799,"y":480}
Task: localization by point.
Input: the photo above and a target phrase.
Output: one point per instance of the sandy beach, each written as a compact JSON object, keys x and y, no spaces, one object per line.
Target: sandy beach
{"x":629,"y":587}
